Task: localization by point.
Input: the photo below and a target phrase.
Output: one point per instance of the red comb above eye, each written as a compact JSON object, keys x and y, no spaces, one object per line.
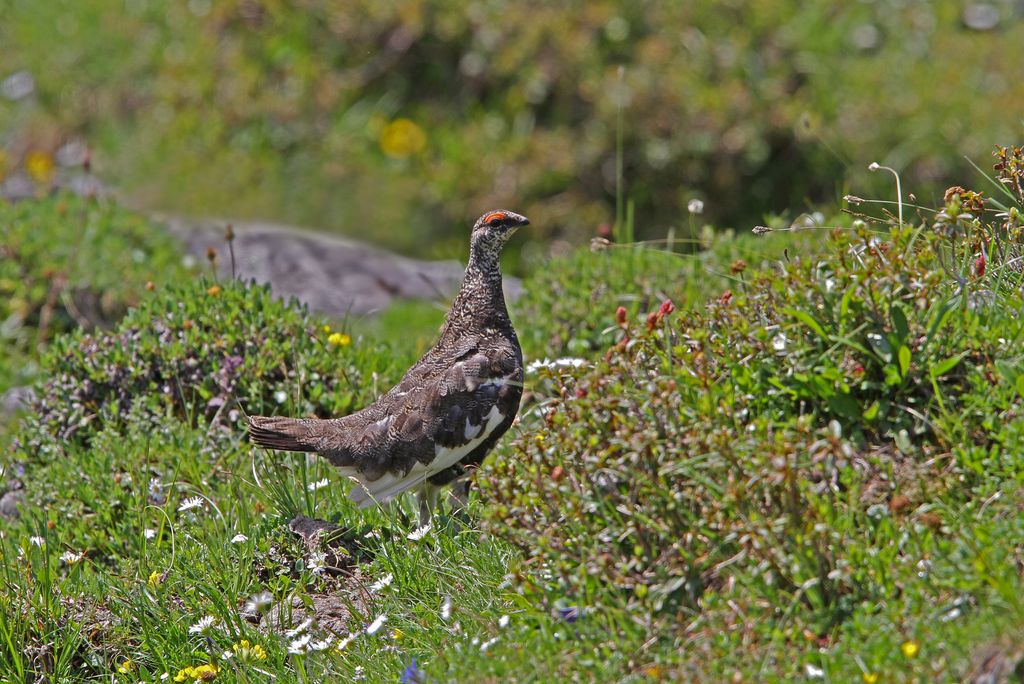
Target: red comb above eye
{"x":496,"y":215}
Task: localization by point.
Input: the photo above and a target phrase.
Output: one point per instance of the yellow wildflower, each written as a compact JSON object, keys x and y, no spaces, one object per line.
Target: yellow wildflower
{"x":247,"y":651}
{"x":199,"y":673}
{"x":327,"y":329}
{"x":869,"y":677}
{"x":213,"y":290}
{"x":402,"y":138}
{"x":397,"y":634}
{"x":126,"y":667}
{"x":155,"y":580}
{"x":40,"y":166}
{"x":339,"y":339}
{"x":910,"y":648}
{"x":654,"y":671}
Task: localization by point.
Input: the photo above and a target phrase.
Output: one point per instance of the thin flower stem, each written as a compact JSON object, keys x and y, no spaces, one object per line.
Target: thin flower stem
{"x":875,"y":166}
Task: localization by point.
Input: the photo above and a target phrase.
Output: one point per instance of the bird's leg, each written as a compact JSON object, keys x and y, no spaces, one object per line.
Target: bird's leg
{"x":427,"y":496}
{"x":459,"y":496}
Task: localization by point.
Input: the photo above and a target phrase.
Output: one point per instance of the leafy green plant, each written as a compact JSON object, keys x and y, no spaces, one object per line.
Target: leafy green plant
{"x":784,"y":449}
{"x":204,"y":353}
{"x":568,"y":306}
{"x":71,"y":262}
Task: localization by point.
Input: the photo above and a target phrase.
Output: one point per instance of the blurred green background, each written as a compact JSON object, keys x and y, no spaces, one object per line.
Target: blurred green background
{"x":400,"y":121}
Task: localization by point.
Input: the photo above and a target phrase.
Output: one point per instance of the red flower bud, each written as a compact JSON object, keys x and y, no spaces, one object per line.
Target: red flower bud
{"x":979,"y":265}
{"x":620,"y":315}
{"x":667,"y":307}
{"x":652,"y":320}
{"x":726,"y":296}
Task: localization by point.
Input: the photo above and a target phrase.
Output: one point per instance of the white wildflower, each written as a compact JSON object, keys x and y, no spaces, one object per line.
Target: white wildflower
{"x":814,"y":672}
{"x":565,"y":362}
{"x":924,"y":568}
{"x":695,"y":206}
{"x":280,"y":397}
{"x":299,"y":629}
{"x":258,"y":602}
{"x":446,"y":608}
{"x":149,"y":533}
{"x":239,"y":538}
{"x":375,"y":626}
{"x":204,"y":625}
{"x":317,"y":562}
{"x":382,"y":583}
{"x":779,"y":342}
{"x":418,"y":533}
{"x":70,"y":557}
{"x":322,"y":644}
{"x":487,"y":644}
{"x":343,"y":644}
{"x":503,"y":621}
{"x":298,"y":646}
{"x":190,"y":503}
{"x":951,"y":615}
{"x":319,"y":484}
{"x":37,"y":541}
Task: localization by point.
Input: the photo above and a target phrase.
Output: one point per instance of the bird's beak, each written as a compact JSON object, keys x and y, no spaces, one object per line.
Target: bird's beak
{"x":521,"y":221}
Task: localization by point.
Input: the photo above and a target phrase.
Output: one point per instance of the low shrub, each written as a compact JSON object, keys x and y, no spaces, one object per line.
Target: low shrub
{"x":797,"y":437}
{"x":565,"y":304}
{"x":202,"y":352}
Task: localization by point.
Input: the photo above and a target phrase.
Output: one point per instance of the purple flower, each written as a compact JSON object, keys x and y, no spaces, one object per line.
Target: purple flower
{"x":412,"y":674}
{"x":232,"y":364}
{"x":156,"y":492}
{"x":570,"y":613}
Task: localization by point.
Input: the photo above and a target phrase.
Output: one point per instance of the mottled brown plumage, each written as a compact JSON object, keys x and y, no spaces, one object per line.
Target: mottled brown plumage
{"x":450,"y":408}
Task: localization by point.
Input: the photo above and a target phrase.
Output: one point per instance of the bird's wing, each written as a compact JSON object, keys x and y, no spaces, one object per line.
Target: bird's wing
{"x":425,"y":370}
{"x":446,"y":419}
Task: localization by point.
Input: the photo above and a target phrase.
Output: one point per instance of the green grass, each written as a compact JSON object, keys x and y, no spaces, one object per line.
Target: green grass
{"x":808,"y":468}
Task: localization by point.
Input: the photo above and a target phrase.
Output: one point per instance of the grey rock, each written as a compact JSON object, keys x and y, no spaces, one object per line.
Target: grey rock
{"x":314,"y":531}
{"x":329,"y":614}
{"x":10,"y":502}
{"x":332,"y":275}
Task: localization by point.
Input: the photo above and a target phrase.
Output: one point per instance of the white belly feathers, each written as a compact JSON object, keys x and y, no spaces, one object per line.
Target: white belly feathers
{"x":392,"y":484}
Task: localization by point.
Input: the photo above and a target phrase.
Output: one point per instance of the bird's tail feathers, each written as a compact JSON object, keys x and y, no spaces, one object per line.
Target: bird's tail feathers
{"x":277,"y":432}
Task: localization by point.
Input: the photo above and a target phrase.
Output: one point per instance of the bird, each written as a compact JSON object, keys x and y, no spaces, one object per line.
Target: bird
{"x":449,"y":409}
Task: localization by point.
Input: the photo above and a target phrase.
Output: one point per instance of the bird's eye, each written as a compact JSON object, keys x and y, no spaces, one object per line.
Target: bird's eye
{"x":494,"y":220}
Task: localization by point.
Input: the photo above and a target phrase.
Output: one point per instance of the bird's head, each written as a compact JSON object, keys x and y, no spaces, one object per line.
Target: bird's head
{"x":495,"y":227}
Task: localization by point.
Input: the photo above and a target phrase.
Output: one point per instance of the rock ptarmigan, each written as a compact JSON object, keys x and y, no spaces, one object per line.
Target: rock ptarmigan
{"x":450,"y":408}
